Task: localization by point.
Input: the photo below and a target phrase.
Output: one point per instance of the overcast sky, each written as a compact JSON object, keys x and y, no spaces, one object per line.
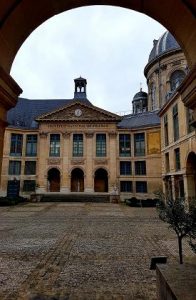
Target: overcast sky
{"x":109,"y":46}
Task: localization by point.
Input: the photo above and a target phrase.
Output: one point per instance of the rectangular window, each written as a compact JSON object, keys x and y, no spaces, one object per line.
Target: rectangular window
{"x":167,"y":167}
{"x":177,"y":159}
{"x":30,"y":168}
{"x":175,"y":123}
{"x":166,"y":131}
{"x":141,"y":187}
{"x":125,"y":168}
{"x":14,"y":167}
{"x":78,"y":145}
{"x":31,"y":145}
{"x":100,"y":145}
{"x":190,"y":120}
{"x":125,"y":145}
{"x":139,"y":143}
{"x":126,"y":186}
{"x":55,"y":145}
{"x":29,"y":185}
{"x":140,"y":168}
{"x":16,"y":144}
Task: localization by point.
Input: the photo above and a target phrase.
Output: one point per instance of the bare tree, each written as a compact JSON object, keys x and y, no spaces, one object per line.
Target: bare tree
{"x":182,"y":221}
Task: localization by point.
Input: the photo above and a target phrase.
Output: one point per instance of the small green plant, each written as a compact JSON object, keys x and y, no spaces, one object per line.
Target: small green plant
{"x":181,"y":220}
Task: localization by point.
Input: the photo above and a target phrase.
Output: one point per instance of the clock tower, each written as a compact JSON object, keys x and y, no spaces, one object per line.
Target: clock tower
{"x":80,"y":88}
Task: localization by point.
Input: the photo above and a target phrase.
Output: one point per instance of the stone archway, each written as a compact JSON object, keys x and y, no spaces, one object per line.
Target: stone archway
{"x":101,"y":181}
{"x":54,"y":180}
{"x":19,"y":18}
{"x":191,"y":175}
{"x":77,"y":180}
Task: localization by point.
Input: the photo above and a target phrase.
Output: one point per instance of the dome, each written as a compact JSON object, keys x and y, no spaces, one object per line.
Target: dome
{"x":163,"y":45}
{"x":140,"y":95}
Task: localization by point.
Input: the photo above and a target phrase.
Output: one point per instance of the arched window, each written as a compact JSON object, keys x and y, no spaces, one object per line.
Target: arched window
{"x":176,"y":78}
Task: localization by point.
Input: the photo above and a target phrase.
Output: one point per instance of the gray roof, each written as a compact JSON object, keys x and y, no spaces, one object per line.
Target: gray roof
{"x":164,"y":44}
{"x":25,"y":112}
{"x":140,"y":120}
{"x":140,"y":95}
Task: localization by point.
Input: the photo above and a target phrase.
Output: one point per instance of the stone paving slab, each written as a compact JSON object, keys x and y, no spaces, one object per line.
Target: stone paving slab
{"x":82,"y":251}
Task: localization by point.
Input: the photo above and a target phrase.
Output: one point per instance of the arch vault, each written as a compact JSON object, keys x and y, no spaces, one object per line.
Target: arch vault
{"x":18,"y":18}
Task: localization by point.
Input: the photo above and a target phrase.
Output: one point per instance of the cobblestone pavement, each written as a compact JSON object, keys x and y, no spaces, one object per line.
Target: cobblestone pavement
{"x":81,"y":251}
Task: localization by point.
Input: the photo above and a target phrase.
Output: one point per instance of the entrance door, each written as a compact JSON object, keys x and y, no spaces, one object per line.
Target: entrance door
{"x":54,"y":180}
{"x":13,"y":188}
{"x":101,"y":181}
{"x":77,"y":180}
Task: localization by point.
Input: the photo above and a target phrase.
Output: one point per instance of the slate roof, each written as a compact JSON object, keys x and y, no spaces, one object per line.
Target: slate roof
{"x":25,"y":112}
{"x":23,"y":115}
{"x":163,"y":45}
{"x":140,"y":120}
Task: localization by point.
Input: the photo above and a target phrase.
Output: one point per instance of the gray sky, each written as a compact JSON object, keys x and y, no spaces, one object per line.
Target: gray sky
{"x":109,"y":46}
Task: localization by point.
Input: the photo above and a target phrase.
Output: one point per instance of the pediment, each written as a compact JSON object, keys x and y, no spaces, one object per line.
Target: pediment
{"x":78,"y":111}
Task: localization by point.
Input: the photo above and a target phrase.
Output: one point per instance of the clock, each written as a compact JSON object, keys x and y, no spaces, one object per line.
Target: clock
{"x":78,"y":112}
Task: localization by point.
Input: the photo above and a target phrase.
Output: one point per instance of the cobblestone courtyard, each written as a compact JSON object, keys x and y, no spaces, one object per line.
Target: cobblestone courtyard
{"x":81,"y":251}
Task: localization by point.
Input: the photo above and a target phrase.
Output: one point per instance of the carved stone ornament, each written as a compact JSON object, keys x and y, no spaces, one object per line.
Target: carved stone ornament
{"x":89,"y":134}
{"x":79,"y":161}
{"x":66,"y":134}
{"x":43,"y":134}
{"x":101,"y":161}
{"x":112,"y":134}
{"x":54,"y":161}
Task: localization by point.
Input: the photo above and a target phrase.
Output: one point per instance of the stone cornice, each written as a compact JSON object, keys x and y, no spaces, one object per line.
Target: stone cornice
{"x":188,"y":89}
{"x":9,"y":90}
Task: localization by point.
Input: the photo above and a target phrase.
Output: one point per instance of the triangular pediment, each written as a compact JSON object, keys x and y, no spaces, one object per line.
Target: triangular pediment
{"x":78,"y":111}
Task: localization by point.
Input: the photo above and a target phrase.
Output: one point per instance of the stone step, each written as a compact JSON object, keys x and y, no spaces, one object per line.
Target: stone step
{"x":75,"y":198}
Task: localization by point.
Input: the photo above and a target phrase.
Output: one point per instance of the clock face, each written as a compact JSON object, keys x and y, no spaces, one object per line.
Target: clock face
{"x":78,"y":112}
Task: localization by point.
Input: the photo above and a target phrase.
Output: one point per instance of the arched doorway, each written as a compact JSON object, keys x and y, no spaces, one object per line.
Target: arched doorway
{"x":101,"y":181}
{"x":77,"y":180}
{"x":191,"y":175}
{"x":54,"y":180}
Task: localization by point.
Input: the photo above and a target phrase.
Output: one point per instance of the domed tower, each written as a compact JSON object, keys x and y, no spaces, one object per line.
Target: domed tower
{"x":165,"y":70}
{"x":140,"y":102}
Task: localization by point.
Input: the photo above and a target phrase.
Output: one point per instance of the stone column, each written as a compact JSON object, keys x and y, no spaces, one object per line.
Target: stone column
{"x":42,"y":163}
{"x":112,"y":180}
{"x":89,"y":182}
{"x":65,"y":179}
{"x":173,"y":187}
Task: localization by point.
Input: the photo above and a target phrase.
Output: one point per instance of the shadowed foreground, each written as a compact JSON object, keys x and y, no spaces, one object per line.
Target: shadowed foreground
{"x":81,"y":251}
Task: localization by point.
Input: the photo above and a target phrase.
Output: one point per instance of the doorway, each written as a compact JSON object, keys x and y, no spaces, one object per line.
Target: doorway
{"x":101,"y":181}
{"x":77,"y":180}
{"x":54,"y":180}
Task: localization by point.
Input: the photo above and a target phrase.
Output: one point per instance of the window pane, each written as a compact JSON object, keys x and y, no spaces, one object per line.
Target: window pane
{"x":124,"y":145}
{"x":29,"y":186}
{"x":16,"y":144}
{"x":125,"y":168}
{"x":175,"y":123}
{"x":176,"y":79}
{"x":100,"y":145}
{"x":140,"y":168}
{"x":141,"y":187}
{"x":14,"y":167}
{"x":177,"y":158}
{"x":31,"y":145}
{"x":30,"y":167}
{"x":55,"y":145}
{"x":77,"y":145}
{"x":139,"y":141}
{"x":126,"y":186}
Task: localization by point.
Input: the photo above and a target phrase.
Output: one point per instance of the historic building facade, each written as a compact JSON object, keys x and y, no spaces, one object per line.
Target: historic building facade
{"x":71,"y":146}
{"x":165,"y":71}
